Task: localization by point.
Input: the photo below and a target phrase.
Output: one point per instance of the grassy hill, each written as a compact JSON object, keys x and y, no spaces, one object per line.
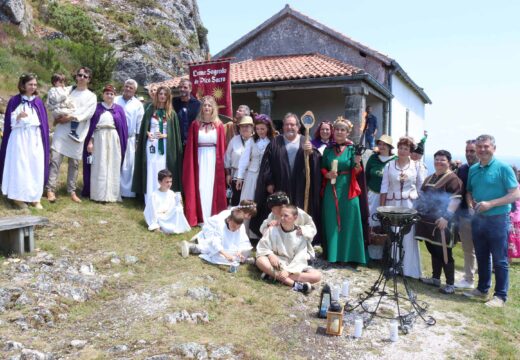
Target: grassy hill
{"x":78,"y":43}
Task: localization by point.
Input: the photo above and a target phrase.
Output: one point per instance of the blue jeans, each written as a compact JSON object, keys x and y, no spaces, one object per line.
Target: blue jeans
{"x":369,"y":141}
{"x":490,"y":241}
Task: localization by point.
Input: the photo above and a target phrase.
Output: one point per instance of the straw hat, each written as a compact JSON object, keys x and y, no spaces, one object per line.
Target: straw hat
{"x":246,"y":120}
{"x":386,"y":139}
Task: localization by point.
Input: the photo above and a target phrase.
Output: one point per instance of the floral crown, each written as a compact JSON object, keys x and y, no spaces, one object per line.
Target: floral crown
{"x":277,"y":199}
{"x":341,"y":121}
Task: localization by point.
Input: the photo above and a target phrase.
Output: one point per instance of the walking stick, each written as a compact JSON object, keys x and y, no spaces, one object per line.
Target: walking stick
{"x":308,"y":122}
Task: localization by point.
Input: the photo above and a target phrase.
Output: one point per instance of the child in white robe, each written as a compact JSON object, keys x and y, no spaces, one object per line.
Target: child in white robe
{"x":282,"y":253}
{"x":60,"y":103}
{"x":164,"y":211}
{"x":223,"y":238}
{"x":304,"y":223}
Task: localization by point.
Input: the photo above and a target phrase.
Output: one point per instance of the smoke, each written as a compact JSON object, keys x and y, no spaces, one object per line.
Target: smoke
{"x":432,"y":204}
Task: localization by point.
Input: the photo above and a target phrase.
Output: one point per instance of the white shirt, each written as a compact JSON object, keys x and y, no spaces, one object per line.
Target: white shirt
{"x":85,"y":102}
{"x":234,"y":151}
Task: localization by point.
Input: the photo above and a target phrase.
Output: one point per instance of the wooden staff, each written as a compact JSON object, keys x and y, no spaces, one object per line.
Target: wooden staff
{"x":308,"y":122}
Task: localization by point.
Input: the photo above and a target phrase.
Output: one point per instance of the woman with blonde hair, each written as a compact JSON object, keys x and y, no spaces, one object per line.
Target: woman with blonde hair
{"x":204,"y":176}
{"x":159,"y":145}
{"x":341,"y":213}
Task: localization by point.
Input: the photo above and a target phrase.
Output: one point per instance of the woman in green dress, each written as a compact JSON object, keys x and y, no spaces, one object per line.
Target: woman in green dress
{"x":374,"y":176}
{"x":341,"y":216}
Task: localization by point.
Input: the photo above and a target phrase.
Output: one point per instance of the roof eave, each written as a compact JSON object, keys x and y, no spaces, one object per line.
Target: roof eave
{"x":399,"y":71}
{"x":334,"y":79}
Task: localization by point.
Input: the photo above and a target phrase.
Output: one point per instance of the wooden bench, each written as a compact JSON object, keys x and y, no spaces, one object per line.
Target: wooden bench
{"x":17,"y":233}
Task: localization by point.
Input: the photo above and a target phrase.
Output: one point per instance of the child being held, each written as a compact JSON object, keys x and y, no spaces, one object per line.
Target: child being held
{"x":223,"y":237}
{"x":164,"y":211}
{"x":60,"y":103}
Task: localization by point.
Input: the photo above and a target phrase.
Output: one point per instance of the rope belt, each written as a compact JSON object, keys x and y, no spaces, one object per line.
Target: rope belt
{"x":207,"y":145}
{"x":334,"y":192}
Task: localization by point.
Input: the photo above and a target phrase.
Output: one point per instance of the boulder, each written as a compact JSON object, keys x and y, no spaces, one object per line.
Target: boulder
{"x":17,"y":12}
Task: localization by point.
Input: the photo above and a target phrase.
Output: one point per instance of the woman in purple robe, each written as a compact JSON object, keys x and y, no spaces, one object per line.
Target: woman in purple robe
{"x":323,"y":136}
{"x":24,"y":153}
{"x":104,"y":149}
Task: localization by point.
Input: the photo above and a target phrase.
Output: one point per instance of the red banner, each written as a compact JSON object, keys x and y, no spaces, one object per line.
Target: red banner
{"x":213,"y":78}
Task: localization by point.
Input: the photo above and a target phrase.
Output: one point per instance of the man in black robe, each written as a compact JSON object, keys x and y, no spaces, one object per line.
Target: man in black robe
{"x":283,"y":169}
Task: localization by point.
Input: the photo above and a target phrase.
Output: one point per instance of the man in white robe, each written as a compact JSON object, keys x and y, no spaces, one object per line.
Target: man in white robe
{"x":134,"y":112}
{"x":282,"y":254}
{"x":63,"y":145}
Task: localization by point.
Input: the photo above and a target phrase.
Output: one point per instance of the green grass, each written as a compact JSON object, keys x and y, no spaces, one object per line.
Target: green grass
{"x":493,"y":332}
{"x":249,"y":312}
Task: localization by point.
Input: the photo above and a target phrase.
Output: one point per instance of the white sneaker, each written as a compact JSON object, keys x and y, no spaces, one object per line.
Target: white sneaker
{"x":475,"y":293}
{"x":185,"y":249}
{"x":495,"y":302}
{"x":464,"y":284}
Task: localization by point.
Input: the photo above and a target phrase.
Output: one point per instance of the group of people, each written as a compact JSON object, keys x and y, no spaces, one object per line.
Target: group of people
{"x":249,"y":186}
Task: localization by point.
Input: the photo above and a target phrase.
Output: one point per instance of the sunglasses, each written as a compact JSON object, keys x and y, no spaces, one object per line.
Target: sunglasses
{"x":84,"y":76}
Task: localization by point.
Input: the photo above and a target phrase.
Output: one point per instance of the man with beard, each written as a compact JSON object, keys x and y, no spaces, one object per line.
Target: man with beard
{"x":231,"y":128}
{"x":464,"y":220}
{"x":134,"y":112}
{"x":283,"y":169}
{"x":186,"y":106}
{"x":492,"y":187}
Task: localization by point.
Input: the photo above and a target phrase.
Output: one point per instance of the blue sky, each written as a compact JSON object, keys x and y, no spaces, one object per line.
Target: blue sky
{"x":465,"y":54}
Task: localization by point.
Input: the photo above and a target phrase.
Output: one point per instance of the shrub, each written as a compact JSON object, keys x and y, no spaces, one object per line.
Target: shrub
{"x":73,"y":22}
{"x":202,"y":34}
{"x":23,"y":49}
{"x":100,"y":58}
{"x":144,"y":3}
{"x":140,"y":36}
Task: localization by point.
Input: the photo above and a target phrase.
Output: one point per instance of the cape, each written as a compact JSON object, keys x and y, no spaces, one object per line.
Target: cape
{"x":44,"y":129}
{"x":190,"y":175}
{"x":173,"y":152}
{"x":275,"y":170}
{"x":122,"y":131}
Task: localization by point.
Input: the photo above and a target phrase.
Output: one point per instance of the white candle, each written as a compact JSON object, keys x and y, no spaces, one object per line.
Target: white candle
{"x":345,"y":288}
{"x":335,"y":325}
{"x":334,"y":293}
{"x":358,"y":328}
{"x":394,"y":330}
{"x":333,"y":167}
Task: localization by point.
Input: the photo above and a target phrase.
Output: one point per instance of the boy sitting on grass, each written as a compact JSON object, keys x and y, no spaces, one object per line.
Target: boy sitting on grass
{"x":164,"y":211}
{"x":304,"y":224}
{"x":282,"y":253}
{"x":222,"y":241}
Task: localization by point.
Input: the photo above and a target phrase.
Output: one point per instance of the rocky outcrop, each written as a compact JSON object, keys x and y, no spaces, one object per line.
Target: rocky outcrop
{"x":17,"y":12}
{"x":153,"y":43}
{"x":154,"y":40}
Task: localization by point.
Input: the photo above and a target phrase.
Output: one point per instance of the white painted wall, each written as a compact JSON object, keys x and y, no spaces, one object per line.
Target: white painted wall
{"x":406,"y":98}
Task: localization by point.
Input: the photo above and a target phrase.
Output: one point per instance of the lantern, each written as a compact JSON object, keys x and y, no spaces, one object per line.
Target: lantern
{"x":324,"y":302}
{"x":335,"y":319}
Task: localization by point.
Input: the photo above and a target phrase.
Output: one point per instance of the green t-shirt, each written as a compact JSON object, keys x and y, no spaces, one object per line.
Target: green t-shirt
{"x":490,"y":182}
